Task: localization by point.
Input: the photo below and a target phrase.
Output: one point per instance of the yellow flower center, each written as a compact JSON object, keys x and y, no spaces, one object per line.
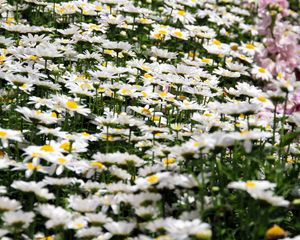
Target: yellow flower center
{"x":61,"y":160}
{"x":108,"y":51}
{"x":3,"y":134}
{"x":54,"y":114}
{"x":216,"y":42}
{"x":262,"y":70}
{"x":146,"y":111}
{"x":250,"y":46}
{"x":169,"y":161}
{"x":2,"y":58}
{"x":101,"y":90}
{"x":98,"y":8}
{"x":152,"y":179}
{"x":275,"y":232}
{"x":79,"y":225}
{"x":125,"y":91}
{"x":62,"y":10}
{"x":158,"y":36}
{"x":24,"y":86}
{"x":262,"y":99}
{"x":148,"y":75}
{"x":85,"y":134}
{"x":45,"y":238}
{"x":33,"y":57}
{"x":250,"y":184}
{"x":178,"y":34}
{"x":163,"y":94}
{"x":9,"y":20}
{"x":30,"y":166}
{"x":98,"y":165}
{"x":155,"y":118}
{"x":181,"y":12}
{"x":144,"y":20}
{"x":205,"y":60}
{"x":47,"y":148}
{"x":162,"y":32}
{"x":144,"y":94}
{"x":71,"y":104}
{"x":65,"y":146}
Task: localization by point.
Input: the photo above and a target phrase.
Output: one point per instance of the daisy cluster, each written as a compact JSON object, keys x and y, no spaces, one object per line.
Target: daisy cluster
{"x":153,"y":119}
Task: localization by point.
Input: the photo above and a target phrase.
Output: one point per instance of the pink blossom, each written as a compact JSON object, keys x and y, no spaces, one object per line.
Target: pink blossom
{"x":283,"y":4}
{"x":281,"y":53}
{"x":294,"y":103}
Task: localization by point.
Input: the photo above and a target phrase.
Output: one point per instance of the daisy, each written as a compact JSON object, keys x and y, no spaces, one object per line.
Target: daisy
{"x":59,"y":162}
{"x":269,"y":197}
{"x":72,"y":106}
{"x":118,"y":46}
{"x":59,"y":181}
{"x":64,"y":103}
{"x":8,"y":134}
{"x":261,"y":73}
{"x":30,"y":168}
{"x":146,"y":111}
{"x":121,"y":228}
{"x":78,"y":223}
{"x":182,"y":16}
{"x":177,"y":33}
{"x":250,"y":185}
{"x":35,"y":187}
{"x":93,"y":232}
{"x":226,"y":73}
{"x":18,"y":218}
{"x":38,"y":115}
{"x":249,"y":49}
{"x":216,"y":47}
{"x":95,"y":166}
{"x":83,"y":204}
{"x":58,"y":216}
{"x":7,"y":204}
{"x":161,"y":53}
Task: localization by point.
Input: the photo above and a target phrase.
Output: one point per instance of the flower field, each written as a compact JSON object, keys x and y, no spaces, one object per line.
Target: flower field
{"x":149,"y":119}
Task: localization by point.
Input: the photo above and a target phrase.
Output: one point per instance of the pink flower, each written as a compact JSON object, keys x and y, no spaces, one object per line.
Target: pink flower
{"x":283,"y":4}
{"x":295,"y":103}
{"x":281,"y":53}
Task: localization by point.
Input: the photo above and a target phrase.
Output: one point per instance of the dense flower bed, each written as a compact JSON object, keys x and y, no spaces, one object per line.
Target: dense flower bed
{"x":149,"y":119}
